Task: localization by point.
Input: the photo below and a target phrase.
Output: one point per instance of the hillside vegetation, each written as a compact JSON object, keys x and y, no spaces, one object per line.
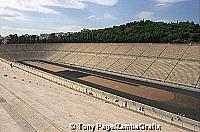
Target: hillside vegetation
{"x":134,"y":32}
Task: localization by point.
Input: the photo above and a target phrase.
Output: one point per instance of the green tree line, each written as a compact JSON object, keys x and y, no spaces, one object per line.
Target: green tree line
{"x":133,"y":32}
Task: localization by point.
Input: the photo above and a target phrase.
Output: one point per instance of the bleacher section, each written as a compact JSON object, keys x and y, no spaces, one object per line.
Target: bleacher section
{"x":59,"y":56}
{"x":193,"y":53}
{"x":95,"y":60}
{"x":174,"y":51}
{"x":107,"y":62}
{"x":66,"y":58}
{"x":121,"y":65}
{"x":138,"y":67}
{"x":89,"y":48}
{"x":99,"y":48}
{"x":168,"y":63}
{"x":138,"y":49}
{"x":123,"y":49}
{"x":75,"y":58}
{"x":51,"y":58}
{"x":160,"y":69}
{"x":85,"y":59}
{"x":65,"y":47}
{"x":154,"y":50}
{"x":110,"y":49}
{"x":186,"y":73}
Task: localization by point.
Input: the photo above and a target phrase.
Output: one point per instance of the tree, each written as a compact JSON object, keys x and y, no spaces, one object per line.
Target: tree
{"x":133,"y":32}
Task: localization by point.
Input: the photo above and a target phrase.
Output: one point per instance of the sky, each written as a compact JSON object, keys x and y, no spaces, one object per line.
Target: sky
{"x":47,"y":16}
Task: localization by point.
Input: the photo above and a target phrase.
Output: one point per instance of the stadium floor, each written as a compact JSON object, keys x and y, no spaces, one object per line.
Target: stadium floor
{"x":29,"y":103}
{"x":171,"y":99}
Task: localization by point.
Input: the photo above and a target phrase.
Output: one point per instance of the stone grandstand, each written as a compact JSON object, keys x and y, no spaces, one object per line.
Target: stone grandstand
{"x":171,"y":64}
{"x":107,"y":70}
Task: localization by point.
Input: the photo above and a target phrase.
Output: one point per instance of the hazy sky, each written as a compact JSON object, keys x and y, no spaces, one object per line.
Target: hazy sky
{"x":46,"y":16}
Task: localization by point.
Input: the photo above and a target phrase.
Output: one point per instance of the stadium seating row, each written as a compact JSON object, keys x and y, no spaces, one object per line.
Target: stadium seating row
{"x":168,"y":51}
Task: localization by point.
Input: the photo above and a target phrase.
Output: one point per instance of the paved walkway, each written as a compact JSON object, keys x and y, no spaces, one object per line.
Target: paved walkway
{"x":29,"y":103}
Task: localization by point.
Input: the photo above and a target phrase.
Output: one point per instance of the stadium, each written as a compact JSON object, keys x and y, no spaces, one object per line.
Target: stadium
{"x":45,"y":87}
